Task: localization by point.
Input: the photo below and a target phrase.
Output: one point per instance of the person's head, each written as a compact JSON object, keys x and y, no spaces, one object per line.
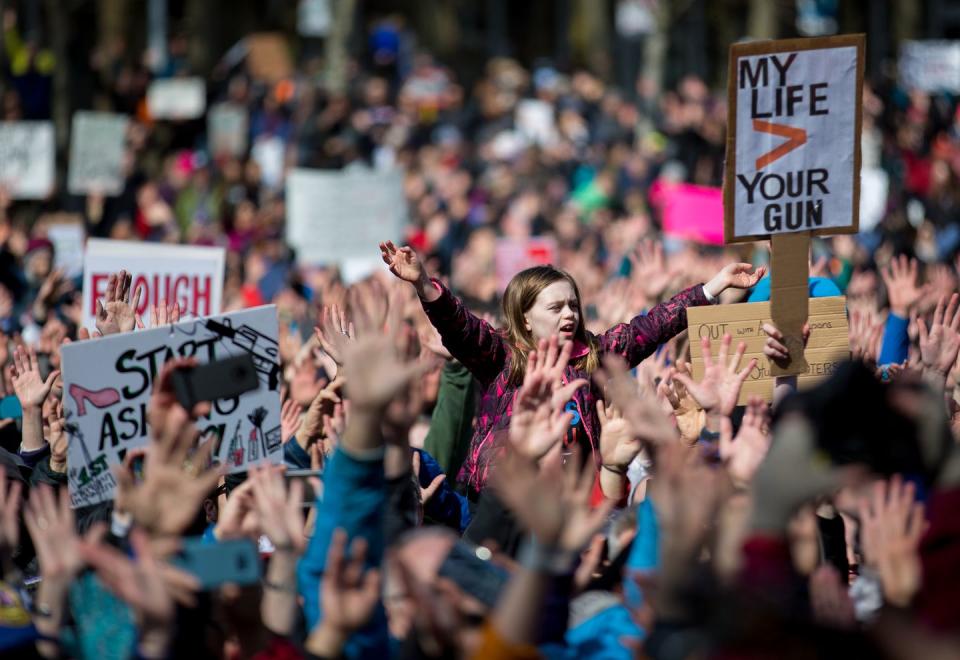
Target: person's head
{"x":541,"y":302}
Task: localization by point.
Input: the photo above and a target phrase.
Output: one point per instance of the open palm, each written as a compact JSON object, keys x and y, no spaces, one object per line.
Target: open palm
{"x":719,"y":388}
{"x":403,"y":262}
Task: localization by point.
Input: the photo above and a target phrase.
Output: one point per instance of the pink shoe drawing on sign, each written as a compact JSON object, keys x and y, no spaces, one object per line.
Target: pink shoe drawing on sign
{"x":99,"y":398}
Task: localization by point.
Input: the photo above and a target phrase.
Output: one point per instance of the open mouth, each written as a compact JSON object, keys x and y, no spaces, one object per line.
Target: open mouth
{"x":567,"y":328}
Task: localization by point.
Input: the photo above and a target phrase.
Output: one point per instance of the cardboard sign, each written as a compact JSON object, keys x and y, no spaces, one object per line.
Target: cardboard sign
{"x":512,"y":255}
{"x":828,"y":347}
{"x":793,"y":151}
{"x":268,"y":57}
{"x":689,"y":212}
{"x":107,"y":385}
{"x":27,"y":158}
{"x":335,"y":217}
{"x":227,"y":130}
{"x":177,"y":98}
{"x":96,"y":153}
{"x":930,"y":66}
{"x":190,"y":275}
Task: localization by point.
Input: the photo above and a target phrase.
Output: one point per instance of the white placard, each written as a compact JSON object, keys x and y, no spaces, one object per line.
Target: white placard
{"x":96,"y":153}
{"x":190,"y":275}
{"x":333,"y":217}
{"x":67,"y":239}
{"x":931,"y":66}
{"x":107,"y":385}
{"x":314,"y":18}
{"x":27,"y":158}
{"x":874,"y":188}
{"x":535,"y":122}
{"x":226,"y":130}
{"x":177,"y":98}
{"x":797,"y":140}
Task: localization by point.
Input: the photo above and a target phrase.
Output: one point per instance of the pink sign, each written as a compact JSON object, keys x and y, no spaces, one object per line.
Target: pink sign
{"x":689,"y":212}
{"x":514,"y":255}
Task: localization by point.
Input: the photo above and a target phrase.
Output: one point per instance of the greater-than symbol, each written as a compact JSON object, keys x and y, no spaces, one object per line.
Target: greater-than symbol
{"x":796,"y":137}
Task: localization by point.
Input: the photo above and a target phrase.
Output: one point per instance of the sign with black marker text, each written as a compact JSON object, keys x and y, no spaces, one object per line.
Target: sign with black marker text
{"x":793,"y":154}
{"x":107,"y":385}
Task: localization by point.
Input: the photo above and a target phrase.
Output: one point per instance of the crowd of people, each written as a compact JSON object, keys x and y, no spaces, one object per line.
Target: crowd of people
{"x":518,"y":473}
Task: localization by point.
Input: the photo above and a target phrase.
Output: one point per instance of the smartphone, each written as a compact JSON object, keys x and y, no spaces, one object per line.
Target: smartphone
{"x":480,"y":578}
{"x":214,"y":564}
{"x":10,"y":408}
{"x":309,"y":497}
{"x":223,"y":379}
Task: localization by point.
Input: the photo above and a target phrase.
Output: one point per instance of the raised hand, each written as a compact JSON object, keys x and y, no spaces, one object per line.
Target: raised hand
{"x":940,"y":343}
{"x":290,"y":412}
{"x":690,"y":417}
{"x":334,"y":333}
{"x":774,"y":348}
{"x":403,"y":262}
{"x":57,"y":438}
{"x":9,"y":515}
{"x":430,"y":490}
{"x":349,"y":594}
{"x":50,"y":522}
{"x":29,"y":387}
{"x":735,"y":276}
{"x":647,"y":420}
{"x":649,"y":269}
{"x":903,"y":292}
{"x":866,"y":335}
{"x":279,"y":512}
{"x":618,"y":444}
{"x":116,"y":312}
{"x":719,"y":388}
{"x":538,"y":421}
{"x":743,"y":454}
{"x":161,"y":314}
{"x":892,"y":524}
{"x":552,"y":503}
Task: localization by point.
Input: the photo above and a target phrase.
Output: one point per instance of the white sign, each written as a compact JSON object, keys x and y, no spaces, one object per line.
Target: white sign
{"x":107,"y":385}
{"x":931,"y":66}
{"x":333,"y":217}
{"x":314,"y":18}
{"x":96,"y":153}
{"x":227,"y":130}
{"x":795,"y":161}
{"x":177,"y":98}
{"x":534,"y":119}
{"x":190,"y":275}
{"x":27,"y":158}
{"x":874,"y":188}
{"x":67,"y":239}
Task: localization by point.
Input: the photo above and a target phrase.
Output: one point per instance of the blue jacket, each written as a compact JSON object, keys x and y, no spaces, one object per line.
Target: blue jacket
{"x":820,"y":287}
{"x":446,"y":506}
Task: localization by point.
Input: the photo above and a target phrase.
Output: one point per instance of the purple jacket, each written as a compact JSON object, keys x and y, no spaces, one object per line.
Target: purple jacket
{"x":487,"y":354}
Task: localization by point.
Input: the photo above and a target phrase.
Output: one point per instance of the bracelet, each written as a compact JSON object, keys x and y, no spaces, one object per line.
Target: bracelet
{"x":286,"y":547}
{"x":616,"y":469}
{"x":286,"y":587}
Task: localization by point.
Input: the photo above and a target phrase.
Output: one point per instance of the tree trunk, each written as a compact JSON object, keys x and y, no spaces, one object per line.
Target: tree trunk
{"x":57,"y":20}
{"x":336,"y":47}
{"x":763,"y":19}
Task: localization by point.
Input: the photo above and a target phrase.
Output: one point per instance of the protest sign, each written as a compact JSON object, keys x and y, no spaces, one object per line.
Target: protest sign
{"x":96,"y":153}
{"x":67,"y":239}
{"x":177,"y":98}
{"x":190,"y":275}
{"x":268,"y":57}
{"x":334,"y":217}
{"x":874,"y":190}
{"x":27,"y":158}
{"x":226,"y":130}
{"x":107,"y":385}
{"x":930,"y":66}
{"x":513,"y":255}
{"x":535,"y":122}
{"x":793,"y":150}
{"x":314,"y":18}
{"x":689,"y":212}
{"x":829,"y":343}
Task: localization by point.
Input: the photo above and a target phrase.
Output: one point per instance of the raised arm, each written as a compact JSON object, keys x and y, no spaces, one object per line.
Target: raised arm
{"x":472,"y":341}
{"x":636,"y":340}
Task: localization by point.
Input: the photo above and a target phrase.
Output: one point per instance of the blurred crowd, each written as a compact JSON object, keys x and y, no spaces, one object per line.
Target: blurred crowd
{"x":487,"y":478}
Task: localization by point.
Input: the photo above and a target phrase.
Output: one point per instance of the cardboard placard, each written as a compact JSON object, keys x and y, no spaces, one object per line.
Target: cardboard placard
{"x":339,"y":217}
{"x":793,"y":137}
{"x":107,"y":385}
{"x":177,"y":98}
{"x":829,"y":343}
{"x":27,"y":158}
{"x":513,"y":255}
{"x":188,"y":274}
{"x":268,"y":57}
{"x":930,"y":66}
{"x":97,"y":141}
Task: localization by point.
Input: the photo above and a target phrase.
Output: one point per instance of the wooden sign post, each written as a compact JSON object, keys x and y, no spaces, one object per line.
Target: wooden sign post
{"x":793,"y":161}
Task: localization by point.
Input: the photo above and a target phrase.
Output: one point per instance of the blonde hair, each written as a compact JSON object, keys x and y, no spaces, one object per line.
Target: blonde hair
{"x":521,"y":294}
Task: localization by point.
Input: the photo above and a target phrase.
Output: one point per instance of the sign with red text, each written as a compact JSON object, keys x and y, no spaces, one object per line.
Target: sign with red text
{"x":190,"y":275}
{"x":107,"y":384}
{"x":793,"y":145}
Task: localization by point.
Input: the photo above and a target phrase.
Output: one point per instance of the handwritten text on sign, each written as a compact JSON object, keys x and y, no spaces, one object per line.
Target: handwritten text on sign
{"x":796,"y":140}
{"x":108,"y":383}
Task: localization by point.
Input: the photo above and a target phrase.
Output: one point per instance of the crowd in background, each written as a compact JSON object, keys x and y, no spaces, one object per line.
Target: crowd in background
{"x":822,"y":527}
